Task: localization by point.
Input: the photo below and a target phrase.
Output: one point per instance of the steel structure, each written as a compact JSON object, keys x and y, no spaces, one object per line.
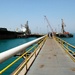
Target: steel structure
{"x":49,"y":24}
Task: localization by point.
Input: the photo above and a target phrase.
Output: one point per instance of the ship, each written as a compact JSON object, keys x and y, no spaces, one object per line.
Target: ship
{"x":63,"y":33}
{"x":6,"y":34}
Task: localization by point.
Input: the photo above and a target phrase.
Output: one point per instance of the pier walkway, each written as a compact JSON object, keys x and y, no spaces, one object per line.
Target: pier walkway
{"x":52,"y":60}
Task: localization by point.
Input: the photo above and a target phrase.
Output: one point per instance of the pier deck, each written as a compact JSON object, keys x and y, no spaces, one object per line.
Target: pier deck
{"x":52,"y":60}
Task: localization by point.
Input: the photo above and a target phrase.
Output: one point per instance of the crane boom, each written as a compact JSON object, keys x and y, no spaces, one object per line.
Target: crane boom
{"x":49,"y":24}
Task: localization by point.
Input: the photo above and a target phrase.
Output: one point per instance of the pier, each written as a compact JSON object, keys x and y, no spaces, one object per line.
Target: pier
{"x":48,"y":58}
{"x":52,"y":60}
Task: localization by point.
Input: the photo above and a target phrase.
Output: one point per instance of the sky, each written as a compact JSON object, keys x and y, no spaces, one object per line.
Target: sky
{"x":13,"y":13}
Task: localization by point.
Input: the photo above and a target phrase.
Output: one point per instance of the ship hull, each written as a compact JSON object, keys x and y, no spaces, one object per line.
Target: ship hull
{"x":64,"y":35}
{"x":10,"y":34}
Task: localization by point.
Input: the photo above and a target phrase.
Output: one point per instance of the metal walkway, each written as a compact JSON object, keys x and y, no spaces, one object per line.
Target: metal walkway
{"x":52,"y":60}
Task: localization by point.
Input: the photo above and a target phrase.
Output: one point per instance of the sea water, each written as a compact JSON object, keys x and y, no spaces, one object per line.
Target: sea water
{"x":8,"y":44}
{"x":70,"y":40}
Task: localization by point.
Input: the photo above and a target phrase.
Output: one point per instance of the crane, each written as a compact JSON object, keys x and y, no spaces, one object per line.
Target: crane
{"x":63,"y":25}
{"x":49,"y":25}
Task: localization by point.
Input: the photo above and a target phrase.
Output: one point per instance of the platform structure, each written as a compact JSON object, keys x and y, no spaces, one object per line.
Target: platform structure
{"x":52,"y":60}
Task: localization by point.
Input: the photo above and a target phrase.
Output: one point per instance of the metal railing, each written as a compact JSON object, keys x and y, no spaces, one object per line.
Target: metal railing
{"x":67,"y":47}
{"x":28,"y":55}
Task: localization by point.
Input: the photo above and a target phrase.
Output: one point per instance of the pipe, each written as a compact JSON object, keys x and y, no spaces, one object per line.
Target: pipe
{"x":11,"y":52}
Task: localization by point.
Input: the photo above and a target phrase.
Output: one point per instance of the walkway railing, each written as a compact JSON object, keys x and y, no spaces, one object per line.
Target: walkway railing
{"x":67,"y":47}
{"x":28,"y":55}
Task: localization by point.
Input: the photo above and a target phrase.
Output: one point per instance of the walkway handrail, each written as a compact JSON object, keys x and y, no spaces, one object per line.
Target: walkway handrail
{"x":11,"y":52}
{"x":66,"y":43}
{"x":66,"y":46}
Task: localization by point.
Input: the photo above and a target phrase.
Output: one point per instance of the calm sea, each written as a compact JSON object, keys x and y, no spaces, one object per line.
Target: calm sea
{"x":71,"y":41}
{"x":8,"y":44}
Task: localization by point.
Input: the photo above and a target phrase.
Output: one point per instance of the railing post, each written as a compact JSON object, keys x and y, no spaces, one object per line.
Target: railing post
{"x":74,"y":54}
{"x":26,"y":60}
{"x":62,"y":43}
{"x":67,"y":46}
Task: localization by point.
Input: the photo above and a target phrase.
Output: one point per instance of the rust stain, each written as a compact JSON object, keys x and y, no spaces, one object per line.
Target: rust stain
{"x":49,"y":57}
{"x":42,"y":55}
{"x":55,"y":55}
{"x":41,"y":66}
{"x":73,"y":69}
{"x":51,"y":50}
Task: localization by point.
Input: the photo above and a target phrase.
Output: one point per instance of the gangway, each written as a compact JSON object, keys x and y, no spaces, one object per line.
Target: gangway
{"x":52,"y":60}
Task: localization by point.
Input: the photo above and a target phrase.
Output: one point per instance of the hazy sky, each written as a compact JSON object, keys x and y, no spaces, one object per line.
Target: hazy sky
{"x":13,"y":13}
